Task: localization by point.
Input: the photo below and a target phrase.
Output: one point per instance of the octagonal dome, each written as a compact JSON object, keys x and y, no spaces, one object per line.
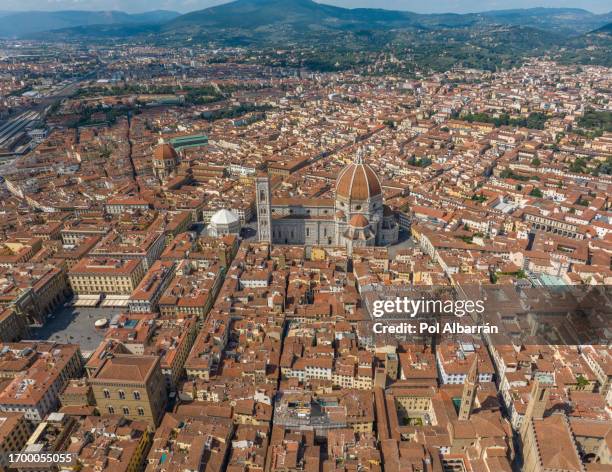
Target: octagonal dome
{"x":164,"y":152}
{"x":358,"y":181}
{"x":224,"y":217}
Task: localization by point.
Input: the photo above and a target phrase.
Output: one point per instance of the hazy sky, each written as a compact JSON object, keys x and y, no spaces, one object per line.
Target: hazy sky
{"x":459,"y":6}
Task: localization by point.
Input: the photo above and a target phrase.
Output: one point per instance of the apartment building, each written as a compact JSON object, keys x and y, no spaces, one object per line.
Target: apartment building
{"x":42,"y":371}
{"x":14,"y":432}
{"x":92,"y":276}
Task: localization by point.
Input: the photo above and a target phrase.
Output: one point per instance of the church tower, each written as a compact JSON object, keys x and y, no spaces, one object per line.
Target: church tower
{"x":469,"y":392}
{"x":540,"y":392}
{"x":264,"y":208}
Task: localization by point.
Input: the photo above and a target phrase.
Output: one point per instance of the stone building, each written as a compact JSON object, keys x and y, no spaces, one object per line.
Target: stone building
{"x":224,"y":222}
{"x":132,"y":386}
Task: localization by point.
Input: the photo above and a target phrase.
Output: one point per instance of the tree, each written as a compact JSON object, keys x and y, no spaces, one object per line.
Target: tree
{"x":581,"y":381}
{"x":536,"y":162}
{"x":536,"y":192}
{"x":579,"y":165}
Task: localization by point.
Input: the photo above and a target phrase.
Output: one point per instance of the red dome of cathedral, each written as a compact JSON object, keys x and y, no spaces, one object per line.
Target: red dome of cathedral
{"x":358,"y":181}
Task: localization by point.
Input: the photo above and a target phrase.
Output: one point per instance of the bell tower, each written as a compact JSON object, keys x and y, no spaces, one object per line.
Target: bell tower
{"x":540,"y":393}
{"x":469,"y":391}
{"x":264,"y":208}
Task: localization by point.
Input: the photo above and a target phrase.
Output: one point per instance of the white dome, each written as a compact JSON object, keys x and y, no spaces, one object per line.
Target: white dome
{"x":224,"y":217}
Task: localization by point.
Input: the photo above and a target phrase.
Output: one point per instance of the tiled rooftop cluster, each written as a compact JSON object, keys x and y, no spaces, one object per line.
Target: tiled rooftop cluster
{"x":226,"y":353}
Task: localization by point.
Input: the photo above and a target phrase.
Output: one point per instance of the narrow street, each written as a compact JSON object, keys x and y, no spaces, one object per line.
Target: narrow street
{"x":130,"y":146}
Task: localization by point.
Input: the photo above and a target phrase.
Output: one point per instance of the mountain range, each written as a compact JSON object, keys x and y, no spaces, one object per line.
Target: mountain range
{"x":248,"y":14}
{"x":22,"y":24}
{"x":335,"y":38}
{"x":259,"y":16}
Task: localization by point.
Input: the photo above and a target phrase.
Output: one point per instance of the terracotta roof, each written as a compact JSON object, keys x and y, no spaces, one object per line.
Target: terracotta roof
{"x":359,"y":221}
{"x":127,"y":367}
{"x":358,"y":182}
{"x":164,"y":151}
{"x":556,"y":446}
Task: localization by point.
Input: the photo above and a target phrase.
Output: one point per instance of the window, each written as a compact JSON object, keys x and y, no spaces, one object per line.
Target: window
{"x":106,"y":393}
{"x":136,"y":395}
{"x":111,"y":410}
{"x":126,"y":410}
{"x":140,"y":411}
{"x":121,"y":395}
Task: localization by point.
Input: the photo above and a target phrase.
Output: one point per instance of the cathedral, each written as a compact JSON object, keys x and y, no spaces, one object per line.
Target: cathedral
{"x":355,"y":217}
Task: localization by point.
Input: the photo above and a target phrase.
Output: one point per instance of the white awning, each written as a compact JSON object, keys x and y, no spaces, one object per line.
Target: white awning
{"x":86,"y":300}
{"x":115,"y":301}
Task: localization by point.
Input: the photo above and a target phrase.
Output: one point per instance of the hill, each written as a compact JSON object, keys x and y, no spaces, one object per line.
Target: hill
{"x":604,"y":29}
{"x":335,"y":38}
{"x":564,"y":20}
{"x":305,"y":15}
{"x":245,"y":22}
{"x":265,"y":14}
{"x":20,"y":24}
{"x":308,"y":15}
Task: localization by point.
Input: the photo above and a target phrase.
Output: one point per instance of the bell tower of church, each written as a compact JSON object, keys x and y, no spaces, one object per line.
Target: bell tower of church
{"x":264,"y":208}
{"x":540,"y":393}
{"x":469,"y":392}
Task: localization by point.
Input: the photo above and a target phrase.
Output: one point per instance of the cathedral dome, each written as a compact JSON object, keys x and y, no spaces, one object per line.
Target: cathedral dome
{"x":164,"y":152}
{"x":358,"y":181}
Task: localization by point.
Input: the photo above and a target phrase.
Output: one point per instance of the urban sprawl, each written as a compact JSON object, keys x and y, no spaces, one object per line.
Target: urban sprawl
{"x":189,"y":240}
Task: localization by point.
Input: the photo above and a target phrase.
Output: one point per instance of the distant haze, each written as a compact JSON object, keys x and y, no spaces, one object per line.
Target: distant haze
{"x":457,"y":6}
